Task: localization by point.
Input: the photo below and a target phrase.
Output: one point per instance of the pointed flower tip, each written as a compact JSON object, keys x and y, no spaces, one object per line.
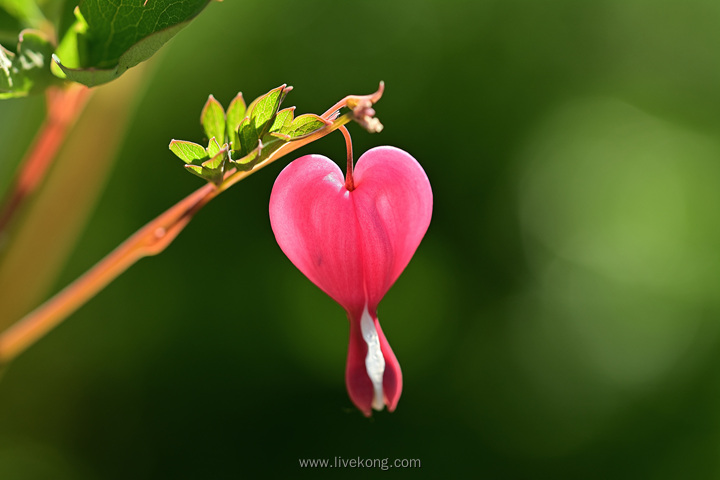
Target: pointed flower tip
{"x":373,"y":375}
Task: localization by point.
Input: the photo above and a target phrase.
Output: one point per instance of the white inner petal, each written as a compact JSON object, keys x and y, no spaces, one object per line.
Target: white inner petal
{"x":374,"y":362}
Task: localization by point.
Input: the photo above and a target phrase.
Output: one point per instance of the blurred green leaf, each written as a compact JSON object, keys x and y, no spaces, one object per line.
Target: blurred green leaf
{"x":64,"y":16}
{"x":120,"y":35}
{"x":188,"y":152}
{"x":71,"y":48}
{"x":26,"y":12}
{"x":212,"y":119}
{"x":27,"y":70}
{"x":10,"y":27}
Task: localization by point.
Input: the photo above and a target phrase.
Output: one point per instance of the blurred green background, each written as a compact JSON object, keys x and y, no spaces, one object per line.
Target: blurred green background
{"x":560,"y":320}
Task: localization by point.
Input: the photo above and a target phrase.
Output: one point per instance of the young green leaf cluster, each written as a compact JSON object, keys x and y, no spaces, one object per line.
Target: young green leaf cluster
{"x":244,"y":135}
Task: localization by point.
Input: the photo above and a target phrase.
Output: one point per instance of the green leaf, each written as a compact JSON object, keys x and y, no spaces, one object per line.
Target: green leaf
{"x":248,"y":160}
{"x":277,"y":135}
{"x":197,"y":170}
{"x":214,"y":168}
{"x":216,"y":161}
{"x":260,"y":116}
{"x":121,"y":34}
{"x":274,"y":142}
{"x":248,"y":137}
{"x":304,"y":125}
{"x":265,"y":108}
{"x":283,"y":119}
{"x":27,"y":71}
{"x":213,"y":147}
{"x":234,"y":116}
{"x":212,"y":119}
{"x":209,"y":174}
{"x":188,"y":152}
{"x":265,"y":148}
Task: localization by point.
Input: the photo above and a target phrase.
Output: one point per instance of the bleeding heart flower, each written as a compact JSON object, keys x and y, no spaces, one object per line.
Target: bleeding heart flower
{"x":353,"y":243}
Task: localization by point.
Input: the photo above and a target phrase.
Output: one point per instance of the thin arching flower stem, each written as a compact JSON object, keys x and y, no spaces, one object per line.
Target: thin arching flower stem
{"x":351,"y":101}
{"x":349,"y":182}
{"x":152,"y":239}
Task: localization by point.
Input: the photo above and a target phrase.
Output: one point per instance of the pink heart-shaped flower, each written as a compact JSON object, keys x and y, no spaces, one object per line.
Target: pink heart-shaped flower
{"x":354,"y":244}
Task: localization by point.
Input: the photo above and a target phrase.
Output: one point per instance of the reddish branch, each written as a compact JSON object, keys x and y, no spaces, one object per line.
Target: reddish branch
{"x":64,"y":106}
{"x":149,"y":240}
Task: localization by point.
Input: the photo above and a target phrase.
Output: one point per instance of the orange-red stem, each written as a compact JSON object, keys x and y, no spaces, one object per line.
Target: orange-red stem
{"x":64,"y":105}
{"x":149,"y":240}
{"x":349,"y":182}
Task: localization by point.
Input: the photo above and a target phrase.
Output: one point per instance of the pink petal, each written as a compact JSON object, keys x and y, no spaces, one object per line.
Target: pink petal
{"x":393,"y":202}
{"x":359,"y":386}
{"x":313,"y":218}
{"x":353,"y":245}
